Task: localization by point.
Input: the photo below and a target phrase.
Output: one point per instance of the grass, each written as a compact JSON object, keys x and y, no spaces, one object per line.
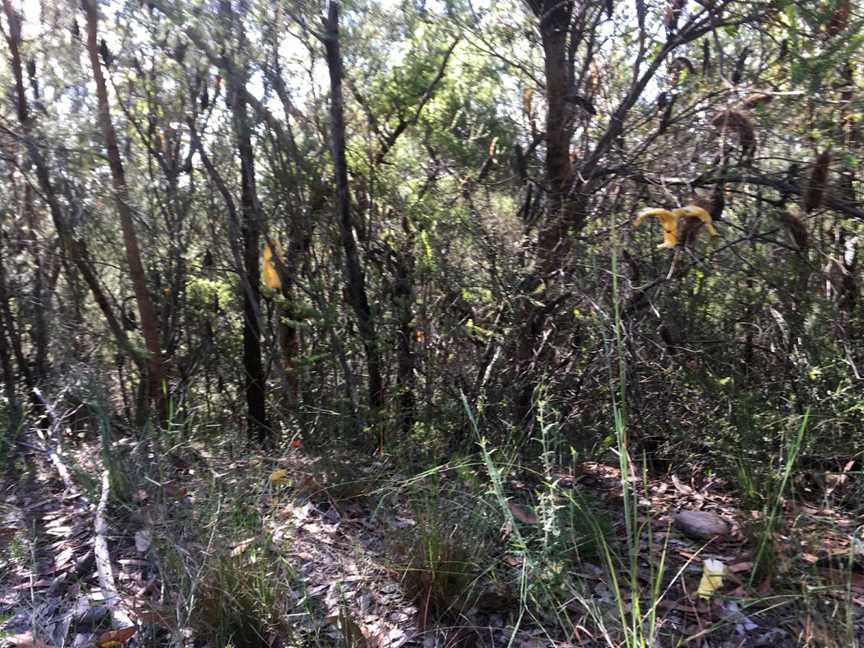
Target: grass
{"x":439,"y":568}
{"x":242,"y":599}
{"x":442,"y":558}
{"x":463,"y":523}
{"x":765,"y":530}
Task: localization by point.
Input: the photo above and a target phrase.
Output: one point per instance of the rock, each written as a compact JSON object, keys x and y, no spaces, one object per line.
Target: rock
{"x":701,"y":525}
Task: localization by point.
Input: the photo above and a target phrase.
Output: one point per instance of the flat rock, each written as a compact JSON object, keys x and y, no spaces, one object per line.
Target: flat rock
{"x":701,"y":525}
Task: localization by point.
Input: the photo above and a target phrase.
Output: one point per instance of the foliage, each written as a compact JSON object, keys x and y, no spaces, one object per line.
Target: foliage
{"x":411,"y":229}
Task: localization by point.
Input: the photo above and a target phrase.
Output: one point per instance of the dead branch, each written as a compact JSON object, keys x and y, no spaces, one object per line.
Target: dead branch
{"x":119,"y":616}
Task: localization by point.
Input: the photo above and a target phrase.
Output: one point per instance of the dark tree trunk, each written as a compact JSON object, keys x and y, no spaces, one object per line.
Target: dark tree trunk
{"x":561,"y":212}
{"x":403,"y":302}
{"x":146,"y":309}
{"x":255,"y":382}
{"x":9,"y":377}
{"x":251,"y":224}
{"x":354,"y":276}
{"x":404,"y":298}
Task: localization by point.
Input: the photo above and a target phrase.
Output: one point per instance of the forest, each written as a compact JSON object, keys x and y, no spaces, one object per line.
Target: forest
{"x":433,"y":323}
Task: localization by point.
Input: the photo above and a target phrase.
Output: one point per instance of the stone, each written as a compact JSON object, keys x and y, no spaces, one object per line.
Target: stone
{"x":701,"y":525}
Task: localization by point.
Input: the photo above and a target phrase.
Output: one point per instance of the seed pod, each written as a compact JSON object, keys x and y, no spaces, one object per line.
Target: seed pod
{"x":738,"y":73}
{"x":105,"y":53}
{"x":741,"y":124}
{"x":795,"y":228}
{"x":839,"y":20}
{"x":814,"y":190}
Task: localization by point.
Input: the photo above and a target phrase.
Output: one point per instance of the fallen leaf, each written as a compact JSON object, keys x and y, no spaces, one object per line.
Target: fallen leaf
{"x":26,"y":640}
{"x":494,"y":601}
{"x":682,"y":488}
{"x":279,"y":477}
{"x":712,"y":577}
{"x":740,"y":567}
{"x":142,"y":541}
{"x":522,"y":513}
{"x":114,"y":638}
{"x":240,"y":547}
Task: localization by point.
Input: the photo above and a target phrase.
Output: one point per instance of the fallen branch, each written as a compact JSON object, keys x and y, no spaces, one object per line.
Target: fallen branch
{"x":55,"y":432}
{"x":107,"y":584}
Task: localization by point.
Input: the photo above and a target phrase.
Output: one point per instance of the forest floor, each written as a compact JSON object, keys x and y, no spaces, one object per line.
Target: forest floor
{"x":345,"y":554}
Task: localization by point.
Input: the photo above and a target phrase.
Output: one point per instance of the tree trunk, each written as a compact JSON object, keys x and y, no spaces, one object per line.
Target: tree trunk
{"x":9,"y":377}
{"x":146,"y":309}
{"x":402,"y":269}
{"x":354,"y":276}
{"x":561,"y":212}
{"x":39,"y":336}
{"x":255,"y":381}
{"x":251,"y":224}
{"x":560,"y":215}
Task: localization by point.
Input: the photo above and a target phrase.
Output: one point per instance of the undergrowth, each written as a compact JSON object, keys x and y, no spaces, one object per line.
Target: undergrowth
{"x":243,"y":599}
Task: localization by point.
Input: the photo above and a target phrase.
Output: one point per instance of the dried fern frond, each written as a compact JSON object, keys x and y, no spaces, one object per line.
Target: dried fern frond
{"x":682,"y":62}
{"x":528,"y":101}
{"x":697,"y":213}
{"x":839,"y":20}
{"x":673,"y":12}
{"x":713,"y":204}
{"x":691,"y":220}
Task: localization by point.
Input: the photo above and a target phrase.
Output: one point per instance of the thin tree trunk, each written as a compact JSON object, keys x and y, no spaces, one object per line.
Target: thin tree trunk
{"x":9,"y":378}
{"x":146,"y":309}
{"x":554,"y":27}
{"x":355,"y":279}
{"x":251,"y":225}
{"x":403,"y":302}
{"x":255,"y":382}
{"x":39,"y":306}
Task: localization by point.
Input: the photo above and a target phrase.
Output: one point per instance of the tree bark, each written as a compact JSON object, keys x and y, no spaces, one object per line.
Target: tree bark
{"x":40,"y":304}
{"x":251,"y":223}
{"x":255,"y":382}
{"x":146,"y":308}
{"x":9,"y":378}
{"x":354,"y":276}
{"x":561,"y":212}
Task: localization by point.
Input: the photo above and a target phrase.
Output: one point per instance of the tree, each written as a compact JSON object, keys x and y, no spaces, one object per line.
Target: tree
{"x":354,"y":275}
{"x":146,"y":309}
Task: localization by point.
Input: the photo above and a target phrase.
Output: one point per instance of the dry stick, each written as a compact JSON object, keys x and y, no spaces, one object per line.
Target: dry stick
{"x":53,"y":450}
{"x":119,"y":615}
